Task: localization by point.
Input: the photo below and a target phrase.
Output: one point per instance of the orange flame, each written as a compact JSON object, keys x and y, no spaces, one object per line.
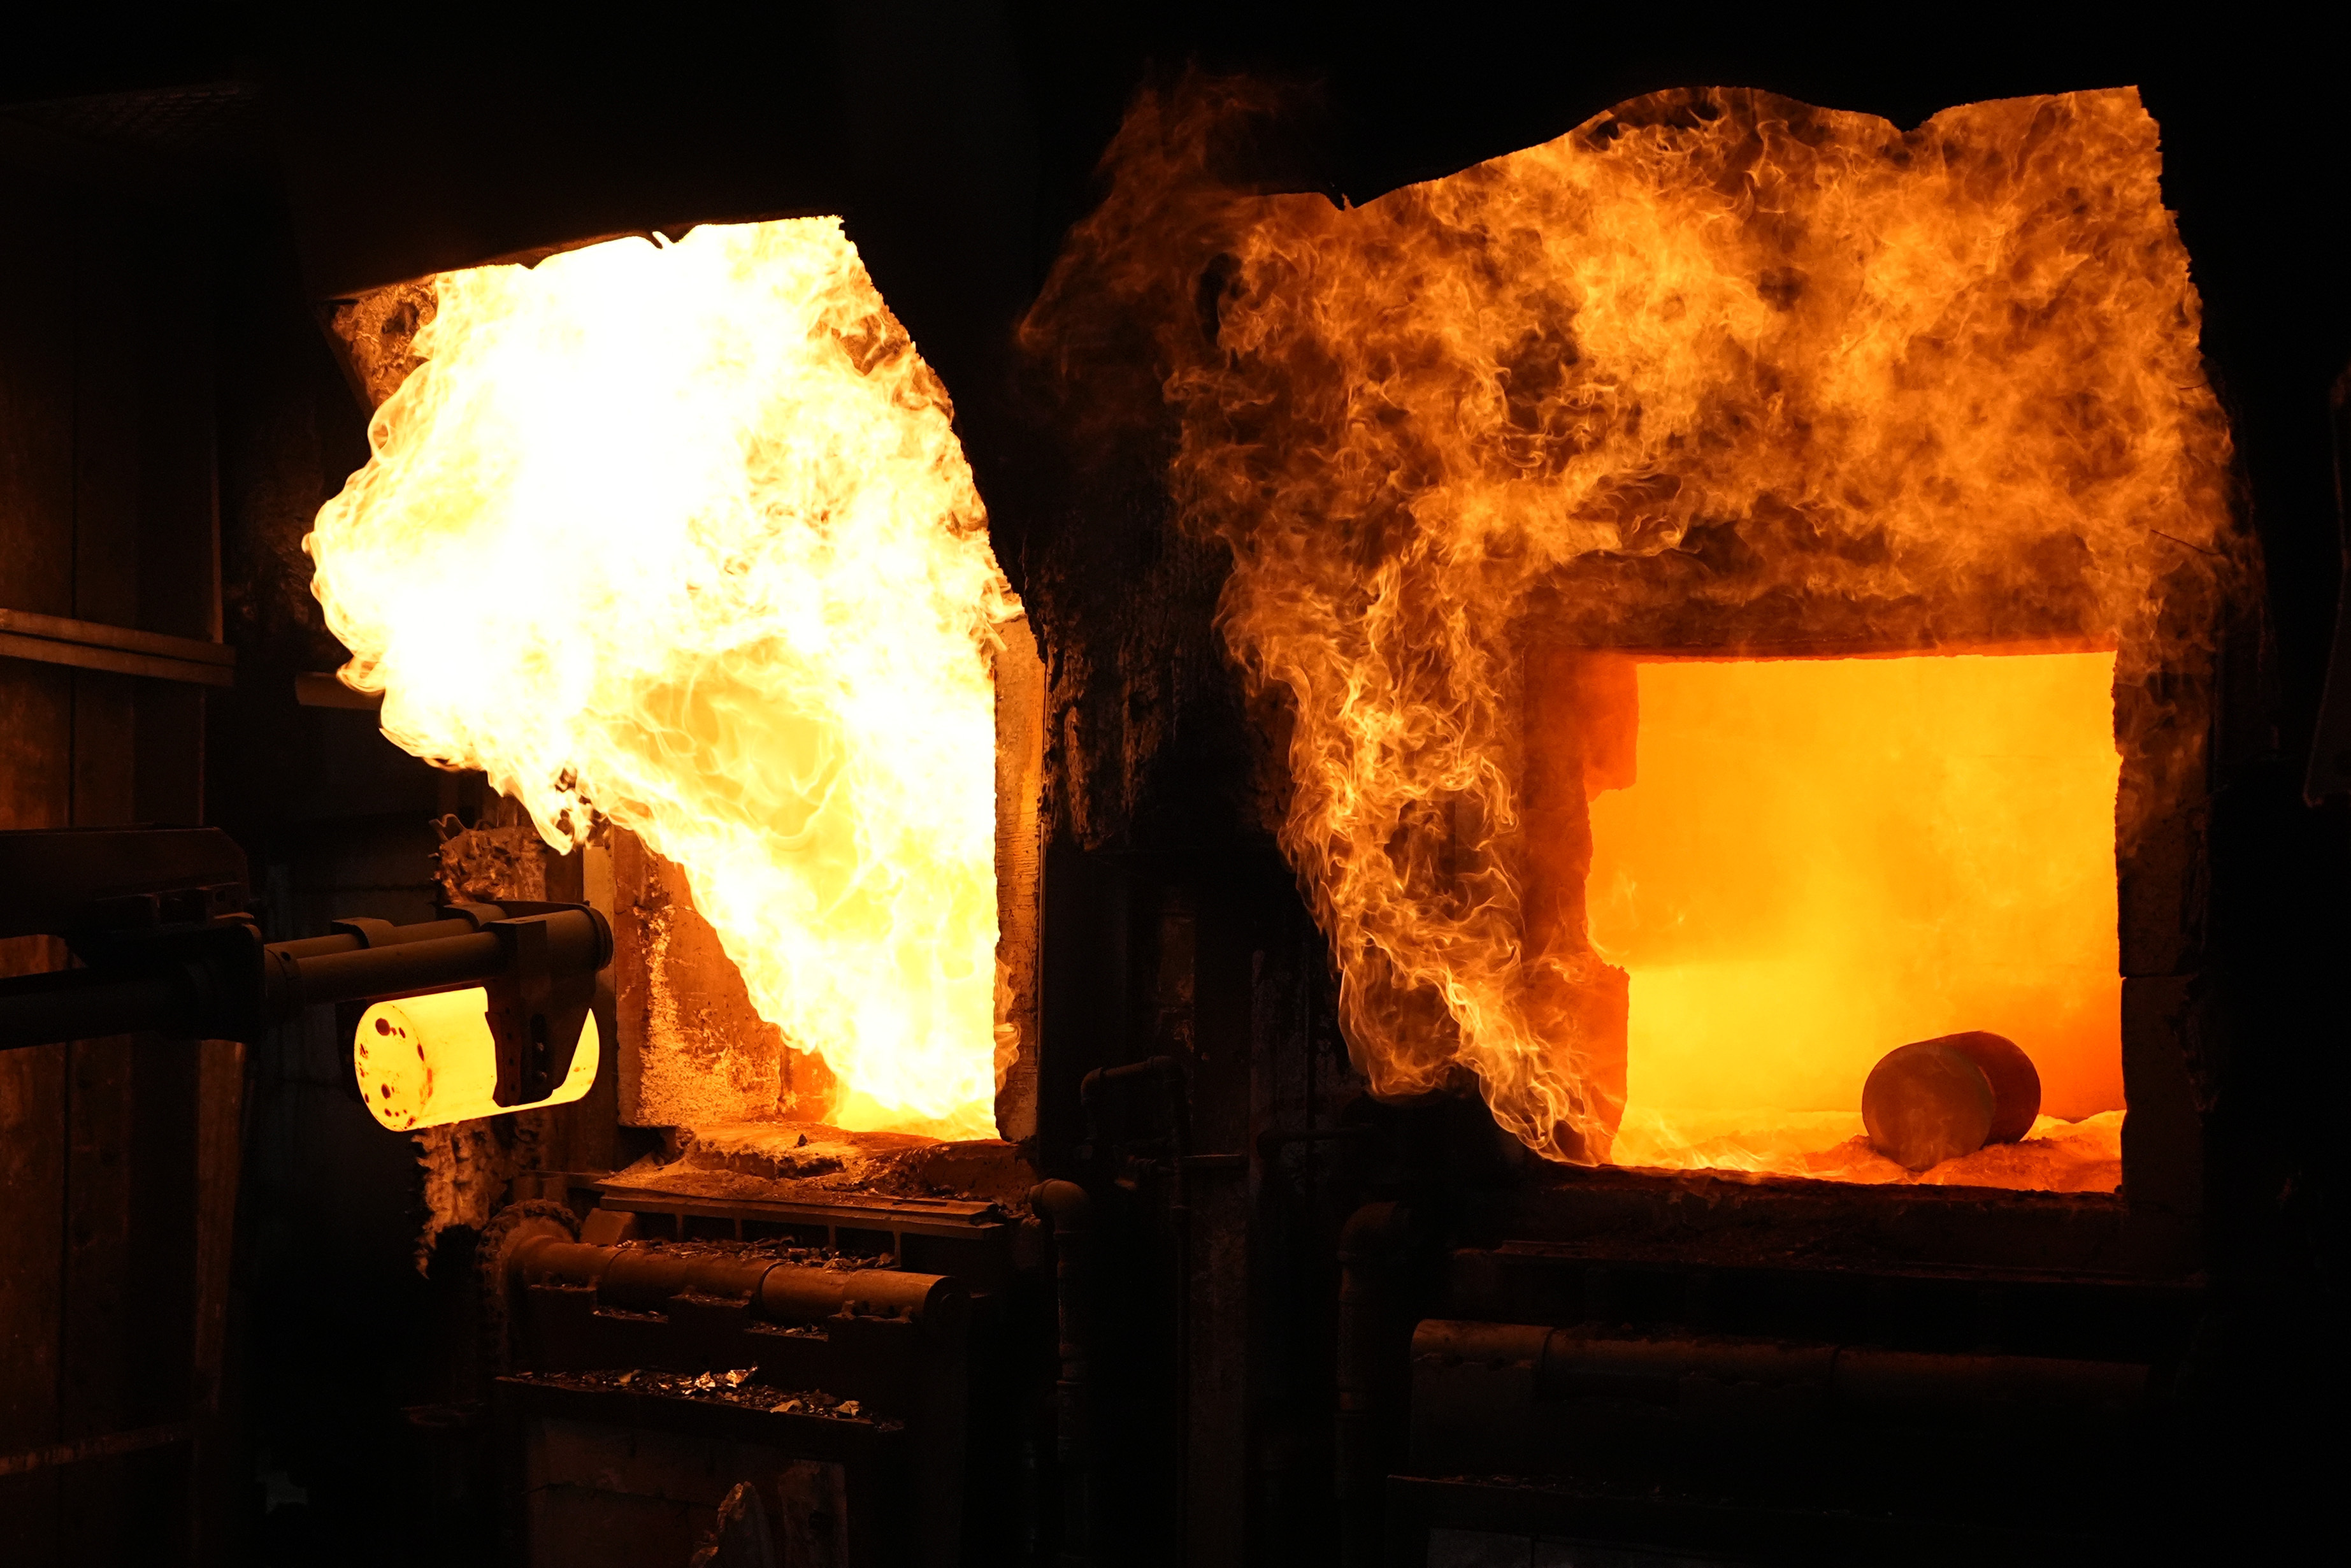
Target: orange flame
{"x":680,"y":535}
{"x":1715,"y":371}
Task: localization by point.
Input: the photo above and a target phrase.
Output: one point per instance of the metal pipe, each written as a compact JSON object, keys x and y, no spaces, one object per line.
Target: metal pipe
{"x":374,"y":958}
{"x":216,"y":980}
{"x":378,"y":934}
{"x":646,"y":1279}
{"x":1169,"y":1074}
{"x":346,"y":976}
{"x":1069,"y":1207}
{"x":795,"y":1293}
{"x":1102,"y":1078}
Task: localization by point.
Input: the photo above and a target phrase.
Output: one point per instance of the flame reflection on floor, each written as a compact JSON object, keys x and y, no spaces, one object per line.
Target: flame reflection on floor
{"x":1818,"y":860}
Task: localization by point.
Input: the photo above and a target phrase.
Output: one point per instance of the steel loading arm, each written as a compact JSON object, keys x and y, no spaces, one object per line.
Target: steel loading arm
{"x":155,"y":917}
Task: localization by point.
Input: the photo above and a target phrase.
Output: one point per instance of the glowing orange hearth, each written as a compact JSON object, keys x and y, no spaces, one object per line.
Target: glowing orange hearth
{"x":1801,"y":864}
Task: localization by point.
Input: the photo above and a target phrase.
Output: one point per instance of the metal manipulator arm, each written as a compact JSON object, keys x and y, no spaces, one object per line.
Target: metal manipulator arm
{"x":153,"y":916}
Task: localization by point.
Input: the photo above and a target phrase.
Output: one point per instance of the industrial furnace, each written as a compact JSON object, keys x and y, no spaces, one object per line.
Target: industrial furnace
{"x":952,"y":788}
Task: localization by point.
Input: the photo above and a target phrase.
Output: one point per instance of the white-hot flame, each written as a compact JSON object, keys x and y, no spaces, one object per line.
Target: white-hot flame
{"x":680,"y":535}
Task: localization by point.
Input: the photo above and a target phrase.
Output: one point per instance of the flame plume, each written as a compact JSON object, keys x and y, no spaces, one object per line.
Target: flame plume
{"x":1714,"y":370}
{"x":680,"y":535}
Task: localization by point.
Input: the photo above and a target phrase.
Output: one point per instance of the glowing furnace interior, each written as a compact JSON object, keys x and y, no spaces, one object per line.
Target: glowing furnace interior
{"x":1803,"y":862}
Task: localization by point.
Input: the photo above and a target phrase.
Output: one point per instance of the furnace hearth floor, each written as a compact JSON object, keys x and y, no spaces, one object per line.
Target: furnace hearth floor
{"x":810,"y":1159}
{"x":1831,"y":1146}
{"x":941,"y":1206}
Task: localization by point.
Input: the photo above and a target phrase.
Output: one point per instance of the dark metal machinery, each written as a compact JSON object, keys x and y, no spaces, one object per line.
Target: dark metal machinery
{"x":651,"y":1355}
{"x":885,"y":1347}
{"x":155,"y":917}
{"x":880,"y":1346}
{"x":1763,"y":1372}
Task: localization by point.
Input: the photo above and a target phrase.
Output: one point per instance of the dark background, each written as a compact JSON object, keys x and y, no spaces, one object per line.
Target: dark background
{"x":960,"y":140}
{"x":327,"y":154}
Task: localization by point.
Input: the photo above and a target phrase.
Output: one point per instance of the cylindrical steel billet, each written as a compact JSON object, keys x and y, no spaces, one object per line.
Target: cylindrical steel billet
{"x":1925,"y":1104}
{"x":2015,"y":1082}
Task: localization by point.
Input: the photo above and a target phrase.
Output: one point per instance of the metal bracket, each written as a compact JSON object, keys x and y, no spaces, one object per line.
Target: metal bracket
{"x":539,"y":1006}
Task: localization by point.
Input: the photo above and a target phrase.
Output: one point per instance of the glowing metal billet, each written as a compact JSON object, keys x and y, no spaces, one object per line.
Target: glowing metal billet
{"x":423,"y":1061}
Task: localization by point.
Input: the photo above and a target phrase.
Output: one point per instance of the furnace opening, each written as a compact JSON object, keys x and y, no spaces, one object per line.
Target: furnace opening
{"x":676,"y":541}
{"x":1712,"y":373}
{"x":1803,"y":863}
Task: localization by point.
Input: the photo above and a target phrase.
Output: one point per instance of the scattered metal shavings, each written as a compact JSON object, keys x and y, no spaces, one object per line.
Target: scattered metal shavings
{"x":734,"y":1387}
{"x":768,"y":1251}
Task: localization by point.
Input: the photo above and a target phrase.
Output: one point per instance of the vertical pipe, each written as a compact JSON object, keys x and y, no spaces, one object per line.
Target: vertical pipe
{"x":1179,"y":1237}
{"x":1066,"y":1204}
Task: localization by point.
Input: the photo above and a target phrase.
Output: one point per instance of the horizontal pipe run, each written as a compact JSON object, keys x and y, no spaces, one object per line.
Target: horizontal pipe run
{"x":647,"y":1279}
{"x":98,"y":634}
{"x":118,"y":650}
{"x":201,"y":988}
{"x":107,"y":1446}
{"x":378,"y":959}
{"x":792,"y":1294}
{"x":390,"y":935}
{"x":385,"y":971}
